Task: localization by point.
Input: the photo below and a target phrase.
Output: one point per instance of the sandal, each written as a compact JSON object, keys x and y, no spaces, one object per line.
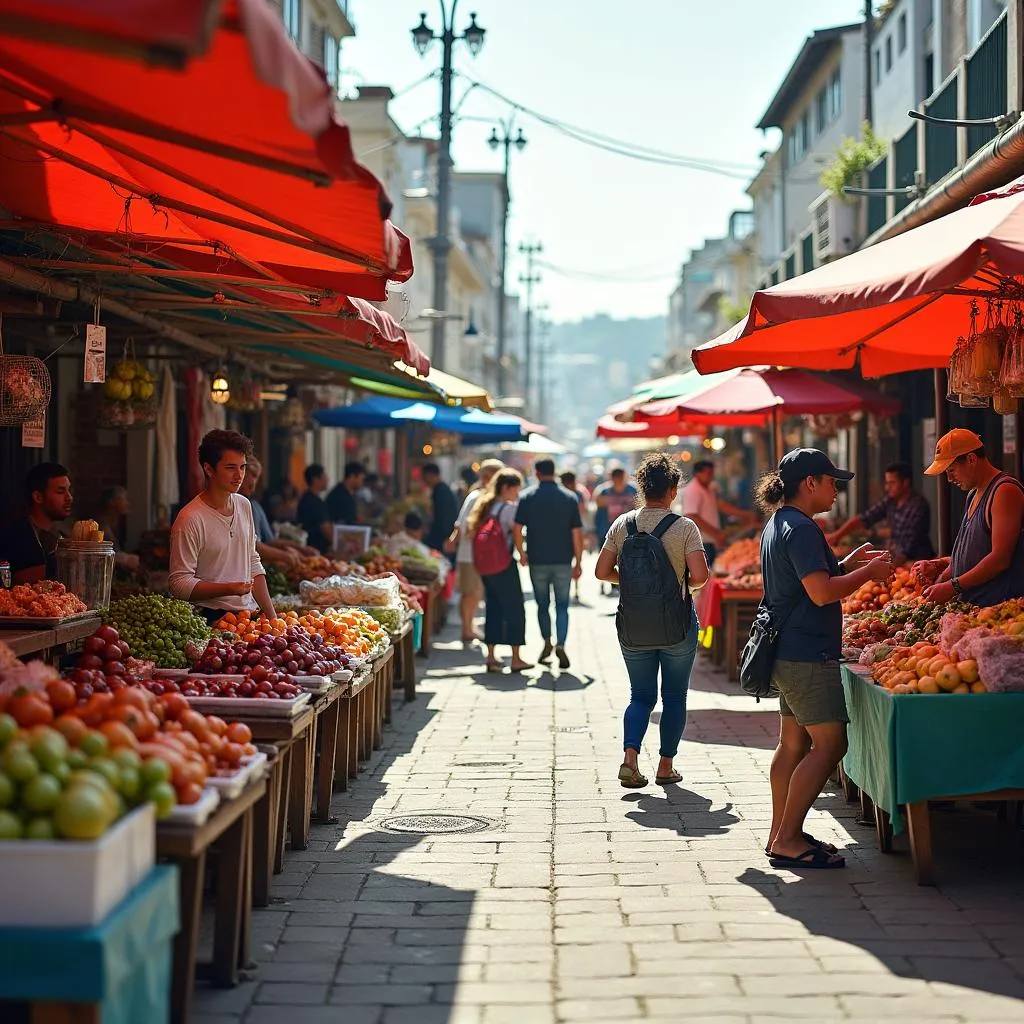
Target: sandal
{"x":522,"y":666}
{"x":630,"y":778}
{"x":668,"y":780}
{"x":808,"y":838}
{"x":495,"y":666}
{"x":812,"y":857}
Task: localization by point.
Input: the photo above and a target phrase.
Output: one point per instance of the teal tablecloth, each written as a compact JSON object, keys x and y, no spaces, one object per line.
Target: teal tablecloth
{"x":912,"y":747}
{"x":123,"y":963}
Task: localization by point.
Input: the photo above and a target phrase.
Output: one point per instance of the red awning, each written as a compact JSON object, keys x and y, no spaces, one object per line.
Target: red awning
{"x":668,"y":426}
{"x":239,"y":156}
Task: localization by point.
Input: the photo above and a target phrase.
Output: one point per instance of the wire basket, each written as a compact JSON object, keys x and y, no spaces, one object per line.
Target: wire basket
{"x":24,"y":389}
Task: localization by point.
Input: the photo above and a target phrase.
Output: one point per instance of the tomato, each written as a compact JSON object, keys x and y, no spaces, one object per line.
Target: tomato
{"x":175,"y":705}
{"x":189,"y":742}
{"x":82,"y":812}
{"x":119,"y":734}
{"x":8,"y":729}
{"x":216,"y":725}
{"x":163,"y":796}
{"x":194,"y":722}
{"x":154,"y":770}
{"x":232,"y":753}
{"x":135,"y":696}
{"x":189,"y":793}
{"x":96,"y":709}
{"x":239,"y":732}
{"x":72,"y":728}
{"x":30,"y":709}
{"x":62,"y":695}
{"x":94,"y":744}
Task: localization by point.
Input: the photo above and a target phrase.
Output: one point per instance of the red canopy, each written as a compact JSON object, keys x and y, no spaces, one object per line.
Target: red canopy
{"x":668,"y":426}
{"x":238,"y":157}
{"x":753,"y":396}
{"x":899,"y":305}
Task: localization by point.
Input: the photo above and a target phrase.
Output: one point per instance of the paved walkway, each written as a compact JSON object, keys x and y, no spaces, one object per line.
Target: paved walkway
{"x":588,"y":902}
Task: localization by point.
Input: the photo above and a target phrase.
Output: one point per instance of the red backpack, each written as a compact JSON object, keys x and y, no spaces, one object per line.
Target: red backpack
{"x":491,"y":551}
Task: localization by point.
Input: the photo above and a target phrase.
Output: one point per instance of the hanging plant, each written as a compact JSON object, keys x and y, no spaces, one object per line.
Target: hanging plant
{"x":852,"y":159}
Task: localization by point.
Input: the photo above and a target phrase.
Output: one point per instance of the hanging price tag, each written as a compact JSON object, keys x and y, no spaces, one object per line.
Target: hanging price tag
{"x":95,"y":354}
{"x":33,"y":432}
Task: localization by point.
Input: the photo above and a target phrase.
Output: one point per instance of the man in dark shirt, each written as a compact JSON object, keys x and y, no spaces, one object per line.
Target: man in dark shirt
{"x":29,"y":544}
{"x":553,"y":551}
{"x":312,"y":514}
{"x":341,"y":502}
{"x":908,"y":515}
{"x":445,"y":508}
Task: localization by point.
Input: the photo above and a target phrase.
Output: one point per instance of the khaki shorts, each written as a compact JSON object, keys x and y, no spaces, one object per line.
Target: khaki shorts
{"x":810,"y":691}
{"x":469,"y":579}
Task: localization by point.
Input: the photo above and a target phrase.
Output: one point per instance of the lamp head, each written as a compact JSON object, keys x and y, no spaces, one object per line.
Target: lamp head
{"x":422,"y":35}
{"x":474,"y":35}
{"x":494,"y":142}
{"x":520,"y":140}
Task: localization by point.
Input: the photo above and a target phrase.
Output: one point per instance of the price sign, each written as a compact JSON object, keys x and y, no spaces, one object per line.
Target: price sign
{"x":1009,"y":435}
{"x":95,"y":354}
{"x":33,"y":432}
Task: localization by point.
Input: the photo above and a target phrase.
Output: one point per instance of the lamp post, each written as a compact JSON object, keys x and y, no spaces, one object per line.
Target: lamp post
{"x":422,"y":37}
{"x":529,"y":279}
{"x":507,"y":142}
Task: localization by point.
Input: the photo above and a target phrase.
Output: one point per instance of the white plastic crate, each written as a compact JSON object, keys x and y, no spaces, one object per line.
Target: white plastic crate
{"x":67,"y":884}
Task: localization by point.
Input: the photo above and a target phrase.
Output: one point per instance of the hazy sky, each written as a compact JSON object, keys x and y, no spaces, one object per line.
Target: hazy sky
{"x":683,"y":77}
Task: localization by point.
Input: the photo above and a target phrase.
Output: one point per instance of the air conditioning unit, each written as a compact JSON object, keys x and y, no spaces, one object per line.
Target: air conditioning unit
{"x":835,"y":227}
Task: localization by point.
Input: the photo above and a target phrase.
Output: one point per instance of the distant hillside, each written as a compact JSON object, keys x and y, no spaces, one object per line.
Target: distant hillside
{"x":595,"y":362}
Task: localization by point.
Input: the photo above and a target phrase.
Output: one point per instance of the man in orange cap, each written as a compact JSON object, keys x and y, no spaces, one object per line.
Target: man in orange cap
{"x":987,"y":565}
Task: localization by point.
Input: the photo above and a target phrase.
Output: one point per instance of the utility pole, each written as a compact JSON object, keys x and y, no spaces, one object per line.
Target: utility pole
{"x":869,"y":39}
{"x":520,"y":143}
{"x":422,"y":37}
{"x":530,"y":250}
{"x":543,"y":370}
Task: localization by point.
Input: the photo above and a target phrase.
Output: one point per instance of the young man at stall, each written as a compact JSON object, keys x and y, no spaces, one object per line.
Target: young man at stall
{"x":907,"y":513}
{"x":313,"y":515}
{"x":29,"y":544}
{"x":341,"y":502}
{"x":214,"y":563}
{"x":987,"y":565}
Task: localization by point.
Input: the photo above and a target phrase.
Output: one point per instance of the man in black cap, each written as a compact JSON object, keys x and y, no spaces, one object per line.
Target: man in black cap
{"x":803,"y":587}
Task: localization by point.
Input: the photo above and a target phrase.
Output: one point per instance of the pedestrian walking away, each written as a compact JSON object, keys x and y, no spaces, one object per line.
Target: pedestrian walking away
{"x":549,"y":516}
{"x":444,"y":508}
{"x":568,"y":481}
{"x":657,"y":559}
{"x":460,"y":543}
{"x":490,"y":527}
{"x":803,"y":587}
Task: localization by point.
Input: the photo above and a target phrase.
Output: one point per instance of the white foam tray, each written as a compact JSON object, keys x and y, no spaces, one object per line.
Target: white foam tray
{"x":249,"y":707}
{"x":195,"y":814}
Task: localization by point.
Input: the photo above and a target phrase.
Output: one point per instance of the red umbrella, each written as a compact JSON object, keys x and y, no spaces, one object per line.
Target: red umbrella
{"x":899,"y":305}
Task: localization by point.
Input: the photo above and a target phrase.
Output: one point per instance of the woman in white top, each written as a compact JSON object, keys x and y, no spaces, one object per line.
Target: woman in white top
{"x":505,"y":617}
{"x":214,"y":563}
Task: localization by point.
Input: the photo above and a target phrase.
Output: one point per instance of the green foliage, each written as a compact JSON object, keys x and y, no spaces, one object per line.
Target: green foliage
{"x":732,"y":312}
{"x":853,"y":158}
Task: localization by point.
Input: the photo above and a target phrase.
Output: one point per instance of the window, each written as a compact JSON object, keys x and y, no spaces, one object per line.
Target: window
{"x":821,"y":106}
{"x":798,"y":139}
{"x":293,"y":18}
{"x":901,"y":32}
{"x":878,"y":66}
{"x":805,"y":128}
{"x":837,"y":93}
{"x":888,"y":53}
{"x":929,"y":74}
{"x":331,"y":52}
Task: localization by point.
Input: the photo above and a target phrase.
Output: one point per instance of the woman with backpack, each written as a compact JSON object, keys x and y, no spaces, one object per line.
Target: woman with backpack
{"x":656,"y":558}
{"x":490,"y":527}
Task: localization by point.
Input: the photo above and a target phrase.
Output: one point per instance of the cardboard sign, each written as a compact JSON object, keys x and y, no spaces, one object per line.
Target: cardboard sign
{"x":33,"y":432}
{"x":1009,"y":435}
{"x":95,"y":354}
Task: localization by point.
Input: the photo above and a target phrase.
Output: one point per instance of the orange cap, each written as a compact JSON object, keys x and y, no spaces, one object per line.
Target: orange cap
{"x":951,"y":446}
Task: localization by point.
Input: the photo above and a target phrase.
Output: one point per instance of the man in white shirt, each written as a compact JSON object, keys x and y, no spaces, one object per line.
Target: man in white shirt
{"x":471,"y":586}
{"x":214,"y":563}
{"x":702,"y":504}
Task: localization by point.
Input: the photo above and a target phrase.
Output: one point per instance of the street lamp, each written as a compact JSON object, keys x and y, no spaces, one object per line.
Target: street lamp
{"x":506,"y":140}
{"x":422,"y":37}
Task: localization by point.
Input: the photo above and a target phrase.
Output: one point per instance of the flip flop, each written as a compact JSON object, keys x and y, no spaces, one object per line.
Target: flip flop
{"x":808,"y":838}
{"x":495,"y":666}
{"x":668,"y":780}
{"x":630,"y":778}
{"x":812,"y":857}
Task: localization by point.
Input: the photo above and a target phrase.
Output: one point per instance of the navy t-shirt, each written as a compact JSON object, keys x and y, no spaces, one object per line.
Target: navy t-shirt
{"x":792,"y":547}
{"x":549,"y":513}
{"x":312,"y":515}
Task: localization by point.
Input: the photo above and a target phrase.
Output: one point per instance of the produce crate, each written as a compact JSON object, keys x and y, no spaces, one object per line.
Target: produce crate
{"x":82,"y":881}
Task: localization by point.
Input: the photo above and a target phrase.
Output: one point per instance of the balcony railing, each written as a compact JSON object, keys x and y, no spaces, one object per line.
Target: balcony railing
{"x":940,"y":140}
{"x":878,"y":177}
{"x":904,"y":153}
{"x":986,"y":84}
{"x":345,"y":6}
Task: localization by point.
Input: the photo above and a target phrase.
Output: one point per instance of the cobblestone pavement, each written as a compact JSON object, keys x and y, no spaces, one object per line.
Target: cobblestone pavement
{"x":589,"y":902}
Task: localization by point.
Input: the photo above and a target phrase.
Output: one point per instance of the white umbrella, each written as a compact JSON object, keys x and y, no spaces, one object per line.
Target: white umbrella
{"x":536,"y":444}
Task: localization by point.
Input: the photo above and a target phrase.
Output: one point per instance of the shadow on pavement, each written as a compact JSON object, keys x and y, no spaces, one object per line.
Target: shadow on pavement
{"x":733,"y":728}
{"x":681,"y":811}
{"x":561,"y":682}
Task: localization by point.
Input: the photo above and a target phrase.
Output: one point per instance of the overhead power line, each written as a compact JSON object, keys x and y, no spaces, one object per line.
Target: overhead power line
{"x":633,"y":276}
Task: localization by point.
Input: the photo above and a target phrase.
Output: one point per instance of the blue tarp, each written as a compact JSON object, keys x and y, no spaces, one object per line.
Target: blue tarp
{"x":380,"y":413}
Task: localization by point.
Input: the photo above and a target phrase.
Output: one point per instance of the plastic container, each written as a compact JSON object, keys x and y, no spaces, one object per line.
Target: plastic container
{"x":82,"y":882}
{"x":417,"y":631}
{"x":86,"y":568}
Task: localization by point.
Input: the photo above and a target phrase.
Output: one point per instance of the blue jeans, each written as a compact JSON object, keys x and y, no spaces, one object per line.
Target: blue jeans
{"x":642,"y":667}
{"x":546,"y":578}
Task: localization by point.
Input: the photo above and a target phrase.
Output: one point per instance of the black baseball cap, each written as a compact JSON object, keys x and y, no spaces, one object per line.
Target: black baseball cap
{"x":804,"y":462}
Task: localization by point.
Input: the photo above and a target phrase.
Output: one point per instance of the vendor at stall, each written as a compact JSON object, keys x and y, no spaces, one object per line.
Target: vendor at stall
{"x":272,"y":551}
{"x":312,"y":514}
{"x":701,"y":503}
{"x":214,"y":563}
{"x":114,"y":506}
{"x":907,"y":513}
{"x":987,"y":565}
{"x":30,"y":543}
{"x":341,"y":502}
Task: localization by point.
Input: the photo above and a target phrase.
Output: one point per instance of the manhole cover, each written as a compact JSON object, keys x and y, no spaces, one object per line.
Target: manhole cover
{"x":434,"y":824}
{"x":569,"y":728}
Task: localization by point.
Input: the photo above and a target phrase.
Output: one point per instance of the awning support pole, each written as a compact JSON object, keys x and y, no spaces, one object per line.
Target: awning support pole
{"x":943,"y":505}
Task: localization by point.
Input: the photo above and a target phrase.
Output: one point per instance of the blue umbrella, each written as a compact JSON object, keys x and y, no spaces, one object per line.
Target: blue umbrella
{"x":381,"y":413}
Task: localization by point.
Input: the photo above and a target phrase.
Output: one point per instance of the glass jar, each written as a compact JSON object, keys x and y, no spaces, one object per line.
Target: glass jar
{"x":86,"y":568}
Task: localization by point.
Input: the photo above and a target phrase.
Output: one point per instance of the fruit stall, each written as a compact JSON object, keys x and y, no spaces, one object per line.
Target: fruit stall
{"x":726,"y":604}
{"x":936,"y":701}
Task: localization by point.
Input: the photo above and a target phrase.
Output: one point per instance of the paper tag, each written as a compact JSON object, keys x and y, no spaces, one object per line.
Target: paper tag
{"x":1009,"y":435}
{"x":95,"y":354}
{"x":33,"y":432}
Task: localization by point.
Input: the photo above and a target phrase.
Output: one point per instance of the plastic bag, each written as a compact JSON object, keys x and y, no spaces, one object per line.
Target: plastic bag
{"x":351,"y":590}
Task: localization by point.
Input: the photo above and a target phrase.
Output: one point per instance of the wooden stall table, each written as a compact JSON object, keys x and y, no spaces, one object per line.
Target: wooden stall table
{"x":230,"y":827}
{"x":383,"y":682}
{"x":293,"y":738}
{"x":24,"y":641}
{"x":267,"y":820}
{"x":353,"y":745}
{"x":906,"y":750}
{"x":327,"y":708}
{"x":433,"y":593}
{"x":51,"y":643}
{"x":728,"y":613}
{"x":405,"y":661}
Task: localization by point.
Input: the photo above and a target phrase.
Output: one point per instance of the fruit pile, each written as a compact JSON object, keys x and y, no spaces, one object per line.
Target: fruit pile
{"x":378,"y":560}
{"x":923,"y":668}
{"x":256,"y":685}
{"x":872,"y":596}
{"x":129,"y":393}
{"x":352,"y":630}
{"x":898,"y":621}
{"x":743,"y":581}
{"x":45,"y":599}
{"x":739,"y":557}
{"x":277,"y":582}
{"x":290,"y":652}
{"x":319,"y":567}
{"x":157,"y":628}
{"x":106,"y":665}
